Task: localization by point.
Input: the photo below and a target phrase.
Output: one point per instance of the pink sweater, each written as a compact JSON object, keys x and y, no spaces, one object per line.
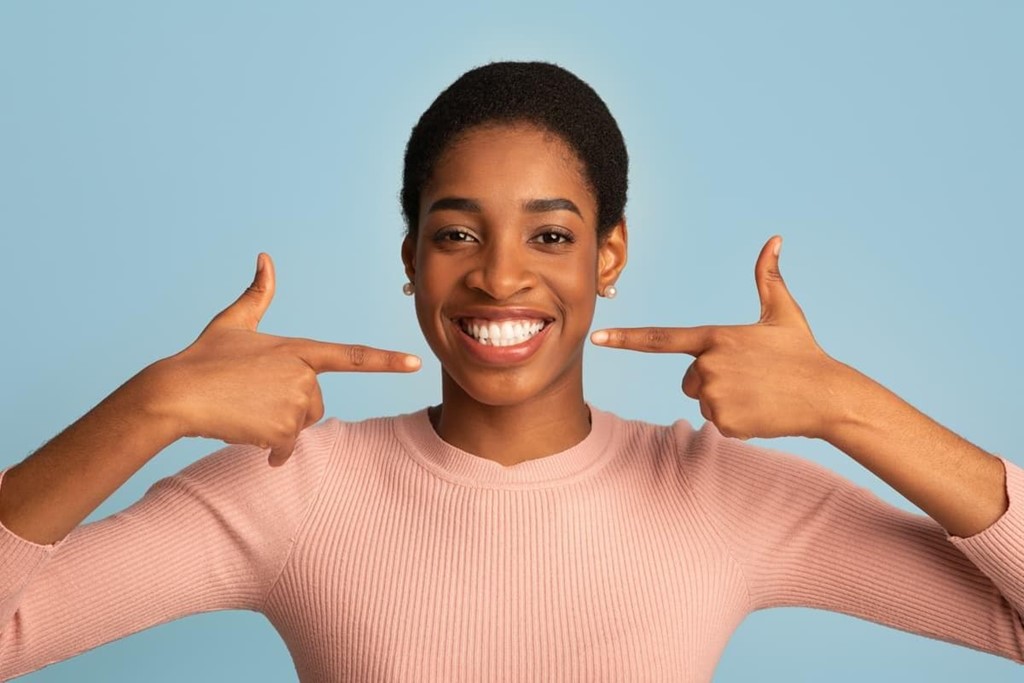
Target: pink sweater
{"x":380,"y":552}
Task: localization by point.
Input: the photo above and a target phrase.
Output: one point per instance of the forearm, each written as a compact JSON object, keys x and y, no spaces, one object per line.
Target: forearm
{"x":50,"y":492}
{"x":959,"y":485}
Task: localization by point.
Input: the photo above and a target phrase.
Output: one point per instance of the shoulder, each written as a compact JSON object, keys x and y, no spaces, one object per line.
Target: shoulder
{"x":649,"y":446}
{"x":639,"y":434}
{"x":314,"y":448}
{"x":726,"y":470}
{"x":704,"y":457}
{"x":242,"y":471}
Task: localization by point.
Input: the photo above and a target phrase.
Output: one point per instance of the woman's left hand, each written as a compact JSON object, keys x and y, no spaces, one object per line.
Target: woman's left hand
{"x":768,"y":379}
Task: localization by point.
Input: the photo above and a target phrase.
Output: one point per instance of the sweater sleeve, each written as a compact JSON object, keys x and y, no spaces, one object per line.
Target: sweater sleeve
{"x":805,"y":536}
{"x":214,"y":536}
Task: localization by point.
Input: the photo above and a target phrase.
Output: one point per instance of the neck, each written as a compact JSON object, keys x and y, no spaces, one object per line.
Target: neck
{"x":509,"y":434}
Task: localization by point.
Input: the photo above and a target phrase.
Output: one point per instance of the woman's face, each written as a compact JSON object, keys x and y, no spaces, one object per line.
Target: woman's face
{"x":507,"y":263}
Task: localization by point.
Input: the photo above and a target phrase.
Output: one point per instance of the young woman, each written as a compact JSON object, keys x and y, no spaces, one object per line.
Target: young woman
{"x":513,"y":531}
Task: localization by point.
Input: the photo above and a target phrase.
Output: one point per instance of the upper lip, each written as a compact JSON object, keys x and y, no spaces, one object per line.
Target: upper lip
{"x":501,"y":313}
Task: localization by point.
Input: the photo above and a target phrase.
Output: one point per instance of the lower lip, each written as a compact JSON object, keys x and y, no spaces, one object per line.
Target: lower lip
{"x":502,"y":355}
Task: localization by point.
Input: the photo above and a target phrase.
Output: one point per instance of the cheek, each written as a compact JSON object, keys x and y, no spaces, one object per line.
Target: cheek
{"x":428,"y":293}
{"x":436,"y":281}
{"x":577,"y":290}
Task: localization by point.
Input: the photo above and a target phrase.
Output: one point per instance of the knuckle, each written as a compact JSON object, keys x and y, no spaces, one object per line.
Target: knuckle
{"x":728,"y":427}
{"x":303,"y":400}
{"x":284,"y":429}
{"x":308,"y":378}
{"x":357,"y":355}
{"x":773,"y":274}
{"x":726,"y":339}
{"x":690,"y":383}
{"x":620,"y":337}
{"x":655,"y":338}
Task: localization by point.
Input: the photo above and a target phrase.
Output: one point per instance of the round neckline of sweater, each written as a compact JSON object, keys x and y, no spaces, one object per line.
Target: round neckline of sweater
{"x":426,"y":447}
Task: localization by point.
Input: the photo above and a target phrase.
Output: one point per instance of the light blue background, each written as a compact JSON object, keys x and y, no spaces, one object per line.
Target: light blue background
{"x":148,"y":151}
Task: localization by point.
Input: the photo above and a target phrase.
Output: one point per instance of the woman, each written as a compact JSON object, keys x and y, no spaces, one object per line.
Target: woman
{"x":513,"y":531}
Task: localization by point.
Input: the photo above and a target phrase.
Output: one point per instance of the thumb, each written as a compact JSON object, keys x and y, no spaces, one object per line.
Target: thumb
{"x":249,"y":308}
{"x":777,"y":304}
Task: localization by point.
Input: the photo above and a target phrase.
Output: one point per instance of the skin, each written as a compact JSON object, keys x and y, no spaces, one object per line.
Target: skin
{"x":771,"y":378}
{"x":232,"y":383}
{"x":765,"y":379}
{"x":496,"y":254}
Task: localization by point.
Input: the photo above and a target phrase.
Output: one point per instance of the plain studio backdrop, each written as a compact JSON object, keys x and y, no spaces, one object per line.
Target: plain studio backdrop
{"x":149,"y":151}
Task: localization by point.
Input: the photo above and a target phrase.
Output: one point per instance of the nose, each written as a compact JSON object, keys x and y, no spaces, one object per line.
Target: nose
{"x":504,"y":269}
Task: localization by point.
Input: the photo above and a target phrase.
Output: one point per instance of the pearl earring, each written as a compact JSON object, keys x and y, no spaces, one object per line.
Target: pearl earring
{"x":609,"y":292}
{"x":408,"y":288}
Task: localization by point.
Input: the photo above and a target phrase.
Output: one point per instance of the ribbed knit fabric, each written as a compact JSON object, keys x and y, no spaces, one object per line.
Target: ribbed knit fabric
{"x":382,"y":553}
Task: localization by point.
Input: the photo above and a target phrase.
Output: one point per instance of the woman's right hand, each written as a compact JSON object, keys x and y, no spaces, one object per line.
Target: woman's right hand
{"x":245,"y":387}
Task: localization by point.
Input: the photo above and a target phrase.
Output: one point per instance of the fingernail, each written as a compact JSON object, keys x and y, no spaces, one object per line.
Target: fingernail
{"x":778,"y":247}
{"x":259,"y":263}
{"x":412,"y":362}
{"x":599,"y":337}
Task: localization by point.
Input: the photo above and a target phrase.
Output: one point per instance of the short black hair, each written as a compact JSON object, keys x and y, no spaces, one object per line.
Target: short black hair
{"x":539,"y":93}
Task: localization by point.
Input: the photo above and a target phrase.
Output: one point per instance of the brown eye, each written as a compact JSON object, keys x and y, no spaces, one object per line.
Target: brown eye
{"x":554,"y":237}
{"x":452,"y":235}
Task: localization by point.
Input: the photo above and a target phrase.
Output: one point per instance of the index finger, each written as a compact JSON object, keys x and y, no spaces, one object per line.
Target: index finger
{"x":334,"y":357}
{"x":691,"y":340}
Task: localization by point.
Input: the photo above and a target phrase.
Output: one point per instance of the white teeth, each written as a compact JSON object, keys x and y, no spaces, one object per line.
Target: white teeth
{"x":507,"y":333}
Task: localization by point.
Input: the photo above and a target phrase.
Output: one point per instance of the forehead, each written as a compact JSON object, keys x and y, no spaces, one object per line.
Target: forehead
{"x":506,"y":164}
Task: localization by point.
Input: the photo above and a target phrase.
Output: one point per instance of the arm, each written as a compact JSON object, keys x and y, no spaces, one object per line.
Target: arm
{"x":232,"y":383}
{"x":960,"y":486}
{"x":214,"y":536}
{"x":49,"y":493}
{"x":805,"y":536}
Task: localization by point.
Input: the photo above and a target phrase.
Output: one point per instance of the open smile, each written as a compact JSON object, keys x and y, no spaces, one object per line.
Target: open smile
{"x":502,"y":341}
{"x":501,"y":332}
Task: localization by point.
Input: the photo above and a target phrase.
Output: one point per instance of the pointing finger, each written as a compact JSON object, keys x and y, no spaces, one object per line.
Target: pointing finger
{"x":691,"y":340}
{"x":332,"y":357}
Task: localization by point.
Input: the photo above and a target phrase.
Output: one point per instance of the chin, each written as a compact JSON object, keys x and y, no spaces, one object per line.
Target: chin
{"x":498,"y":390}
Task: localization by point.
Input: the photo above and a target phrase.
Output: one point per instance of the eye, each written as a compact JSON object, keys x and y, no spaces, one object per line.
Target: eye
{"x":453,"y":234}
{"x":555,"y":236}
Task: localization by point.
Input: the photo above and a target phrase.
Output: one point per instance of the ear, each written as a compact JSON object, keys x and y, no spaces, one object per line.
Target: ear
{"x":611,"y":255}
{"x":409,"y":257}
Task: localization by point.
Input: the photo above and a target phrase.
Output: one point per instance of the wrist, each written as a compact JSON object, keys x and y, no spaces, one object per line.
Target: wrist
{"x":849,"y":395}
{"x":854,"y":400}
{"x":152,"y":395}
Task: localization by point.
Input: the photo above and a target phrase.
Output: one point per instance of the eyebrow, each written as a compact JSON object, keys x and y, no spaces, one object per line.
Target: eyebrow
{"x":530,"y":205}
{"x":556,"y":204}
